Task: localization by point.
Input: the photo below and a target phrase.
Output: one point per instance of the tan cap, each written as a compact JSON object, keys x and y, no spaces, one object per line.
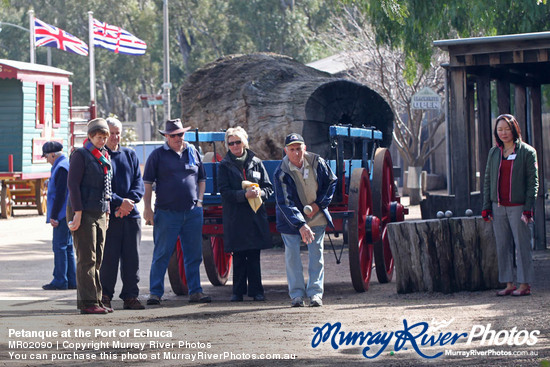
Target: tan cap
{"x":98,"y":124}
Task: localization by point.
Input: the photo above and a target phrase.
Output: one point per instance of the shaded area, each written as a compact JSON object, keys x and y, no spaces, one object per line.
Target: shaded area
{"x":348,"y":103}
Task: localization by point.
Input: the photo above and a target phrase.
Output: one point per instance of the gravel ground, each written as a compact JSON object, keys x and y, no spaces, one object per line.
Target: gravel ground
{"x":254,"y":333}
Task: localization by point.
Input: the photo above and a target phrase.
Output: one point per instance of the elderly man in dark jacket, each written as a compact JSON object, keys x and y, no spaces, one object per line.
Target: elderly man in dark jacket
{"x":303,"y":180}
{"x":64,"y":271}
{"x":246,"y":231}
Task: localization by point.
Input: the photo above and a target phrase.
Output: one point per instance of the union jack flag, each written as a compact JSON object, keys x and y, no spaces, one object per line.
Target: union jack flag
{"x":50,"y":36}
{"x":116,"y":39}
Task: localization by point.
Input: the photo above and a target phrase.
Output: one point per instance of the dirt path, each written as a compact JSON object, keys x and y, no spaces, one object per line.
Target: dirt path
{"x":244,"y":333}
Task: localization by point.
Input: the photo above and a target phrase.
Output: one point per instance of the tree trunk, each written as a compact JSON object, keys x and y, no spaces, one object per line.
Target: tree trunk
{"x":447,"y":255}
{"x":272,"y":95}
{"x":414,"y":184}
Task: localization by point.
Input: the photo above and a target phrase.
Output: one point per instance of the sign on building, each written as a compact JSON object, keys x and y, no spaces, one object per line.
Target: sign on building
{"x":426,"y":99}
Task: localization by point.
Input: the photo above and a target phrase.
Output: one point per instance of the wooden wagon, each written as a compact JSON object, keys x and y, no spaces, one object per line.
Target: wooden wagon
{"x":365,"y":201}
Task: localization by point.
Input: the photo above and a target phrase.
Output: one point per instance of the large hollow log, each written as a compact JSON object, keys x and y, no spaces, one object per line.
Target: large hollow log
{"x":447,"y":255}
{"x":272,"y":95}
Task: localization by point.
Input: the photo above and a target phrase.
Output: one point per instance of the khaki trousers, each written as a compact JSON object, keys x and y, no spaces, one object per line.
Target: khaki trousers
{"x":89,"y":242}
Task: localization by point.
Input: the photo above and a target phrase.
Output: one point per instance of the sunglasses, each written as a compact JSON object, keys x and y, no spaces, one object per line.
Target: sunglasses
{"x":236,"y":142}
{"x":174,"y":135}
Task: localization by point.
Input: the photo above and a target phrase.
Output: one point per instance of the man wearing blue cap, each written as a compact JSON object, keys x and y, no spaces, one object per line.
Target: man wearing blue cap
{"x":304,"y":185}
{"x":64,"y":276}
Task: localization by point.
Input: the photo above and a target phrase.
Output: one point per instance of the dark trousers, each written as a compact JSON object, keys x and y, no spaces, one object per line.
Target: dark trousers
{"x":246,"y":266}
{"x":89,"y":241}
{"x":121,"y":245}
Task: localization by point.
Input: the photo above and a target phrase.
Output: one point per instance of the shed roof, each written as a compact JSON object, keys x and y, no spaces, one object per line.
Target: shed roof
{"x":333,"y":64}
{"x":537,"y":36}
{"x":26,"y":68}
{"x":520,"y":58}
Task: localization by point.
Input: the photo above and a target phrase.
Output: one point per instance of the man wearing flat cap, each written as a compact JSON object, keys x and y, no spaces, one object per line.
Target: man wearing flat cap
{"x":64,"y":273}
{"x":177,"y":170}
{"x":303,"y":180}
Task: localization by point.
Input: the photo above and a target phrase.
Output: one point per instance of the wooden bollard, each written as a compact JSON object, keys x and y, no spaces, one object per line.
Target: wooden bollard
{"x":444,"y":255}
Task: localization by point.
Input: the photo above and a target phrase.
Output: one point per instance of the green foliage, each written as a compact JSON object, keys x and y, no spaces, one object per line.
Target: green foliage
{"x":200,"y":32}
{"x":128,"y":137}
{"x":412,"y":25}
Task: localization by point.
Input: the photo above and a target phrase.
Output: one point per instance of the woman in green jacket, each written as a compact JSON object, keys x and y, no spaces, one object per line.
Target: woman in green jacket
{"x":509,"y":192}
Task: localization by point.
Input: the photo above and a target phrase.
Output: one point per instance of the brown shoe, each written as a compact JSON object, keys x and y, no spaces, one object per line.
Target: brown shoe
{"x":133,"y":304}
{"x":94,"y":310}
{"x":106,"y":301}
{"x":199,"y":298}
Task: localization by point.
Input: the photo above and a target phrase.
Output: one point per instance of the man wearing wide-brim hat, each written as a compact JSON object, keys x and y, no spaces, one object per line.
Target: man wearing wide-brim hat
{"x":177,"y":170}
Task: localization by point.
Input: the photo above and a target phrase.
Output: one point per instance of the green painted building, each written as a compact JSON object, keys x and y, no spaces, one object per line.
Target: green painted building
{"x":34,"y":108}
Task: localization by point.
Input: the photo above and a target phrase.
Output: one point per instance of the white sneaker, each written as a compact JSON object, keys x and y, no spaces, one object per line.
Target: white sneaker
{"x":297,"y":302}
{"x":316,"y":301}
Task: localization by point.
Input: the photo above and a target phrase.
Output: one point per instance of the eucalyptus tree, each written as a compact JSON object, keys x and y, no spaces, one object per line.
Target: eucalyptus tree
{"x":397,"y":36}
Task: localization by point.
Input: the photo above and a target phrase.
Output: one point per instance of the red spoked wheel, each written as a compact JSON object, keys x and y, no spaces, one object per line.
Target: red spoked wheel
{"x":217,"y":263}
{"x":387,"y":208}
{"x":360,"y":229}
{"x":176,"y":271}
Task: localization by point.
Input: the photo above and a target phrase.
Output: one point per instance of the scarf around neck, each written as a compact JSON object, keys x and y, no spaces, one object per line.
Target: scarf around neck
{"x":105,"y":162}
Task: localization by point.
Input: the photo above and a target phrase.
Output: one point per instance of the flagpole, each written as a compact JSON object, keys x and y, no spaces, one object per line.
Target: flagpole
{"x":91,"y":48}
{"x":31,"y":29}
{"x":166,"y":85}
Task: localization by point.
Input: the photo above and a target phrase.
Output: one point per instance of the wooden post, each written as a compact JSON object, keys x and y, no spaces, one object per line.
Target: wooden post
{"x":520,"y":109}
{"x":458,"y":135}
{"x":503,"y":97}
{"x":471,"y":130}
{"x":484,"y":127}
{"x":538,"y":144}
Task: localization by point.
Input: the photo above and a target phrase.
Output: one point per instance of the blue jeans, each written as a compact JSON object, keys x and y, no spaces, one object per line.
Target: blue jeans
{"x":169,"y":225}
{"x":294,"y":268}
{"x":64,"y":271}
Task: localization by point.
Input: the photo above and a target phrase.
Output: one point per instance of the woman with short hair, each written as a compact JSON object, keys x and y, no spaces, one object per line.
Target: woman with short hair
{"x":246,"y":231}
{"x":89,"y":183}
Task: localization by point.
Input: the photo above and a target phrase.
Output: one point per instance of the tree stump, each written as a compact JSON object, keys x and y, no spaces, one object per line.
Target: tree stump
{"x":272,"y":95}
{"x":447,"y":255}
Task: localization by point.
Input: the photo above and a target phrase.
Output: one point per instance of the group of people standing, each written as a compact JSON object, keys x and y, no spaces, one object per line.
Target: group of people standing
{"x":97,"y":193}
{"x":94,"y":197}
